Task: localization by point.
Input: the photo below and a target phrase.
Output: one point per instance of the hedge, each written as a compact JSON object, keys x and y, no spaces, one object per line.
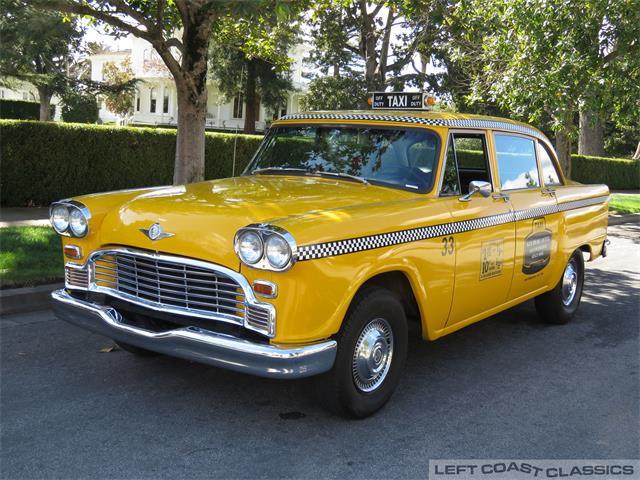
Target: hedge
{"x":22,"y":110}
{"x":46,"y":161}
{"x":617,"y":173}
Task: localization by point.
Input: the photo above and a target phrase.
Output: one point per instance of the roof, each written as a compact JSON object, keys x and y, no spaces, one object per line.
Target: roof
{"x":422,"y":117}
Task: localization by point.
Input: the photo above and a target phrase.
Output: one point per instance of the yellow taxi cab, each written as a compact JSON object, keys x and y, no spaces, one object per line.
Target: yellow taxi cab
{"x":344,"y":230}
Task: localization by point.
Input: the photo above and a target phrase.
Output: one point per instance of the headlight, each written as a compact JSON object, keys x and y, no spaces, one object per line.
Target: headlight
{"x":60,"y":218}
{"x":266,"y":247}
{"x":70,"y":218}
{"x":78,"y":223}
{"x":278,"y":251}
{"x":249,"y":247}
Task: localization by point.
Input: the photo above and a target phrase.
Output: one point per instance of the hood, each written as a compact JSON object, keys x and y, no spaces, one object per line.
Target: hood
{"x":204,"y":217}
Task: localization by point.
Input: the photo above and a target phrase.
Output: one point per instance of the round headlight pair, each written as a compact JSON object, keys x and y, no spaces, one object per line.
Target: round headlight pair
{"x":264,"y":249}
{"x":69,"y":218}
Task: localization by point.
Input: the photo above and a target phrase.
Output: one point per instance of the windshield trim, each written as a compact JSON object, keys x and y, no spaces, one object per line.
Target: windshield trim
{"x":249,"y":172}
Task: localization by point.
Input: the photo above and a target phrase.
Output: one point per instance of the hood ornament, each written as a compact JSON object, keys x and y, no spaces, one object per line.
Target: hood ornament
{"x":155,"y":232}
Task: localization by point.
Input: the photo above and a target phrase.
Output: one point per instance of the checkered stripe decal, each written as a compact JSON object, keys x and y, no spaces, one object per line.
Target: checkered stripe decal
{"x":435,"y":122}
{"x":370,"y":242}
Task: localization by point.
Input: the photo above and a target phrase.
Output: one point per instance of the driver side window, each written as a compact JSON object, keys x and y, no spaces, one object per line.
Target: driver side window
{"x":466,"y":160}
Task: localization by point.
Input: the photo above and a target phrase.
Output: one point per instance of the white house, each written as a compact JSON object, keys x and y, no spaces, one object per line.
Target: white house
{"x":156,"y":103}
{"x":20,"y":90}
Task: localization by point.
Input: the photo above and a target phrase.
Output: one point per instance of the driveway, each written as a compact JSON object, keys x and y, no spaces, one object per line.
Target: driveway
{"x":507,"y":387}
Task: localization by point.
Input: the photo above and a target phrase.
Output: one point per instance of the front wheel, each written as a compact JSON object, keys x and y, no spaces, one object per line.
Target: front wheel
{"x":560,"y":304}
{"x":372,"y":348}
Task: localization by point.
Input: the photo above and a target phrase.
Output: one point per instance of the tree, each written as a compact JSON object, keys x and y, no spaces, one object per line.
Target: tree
{"x":161,"y":22}
{"x":251,"y":59}
{"x":376,"y":40}
{"x":79,"y":108}
{"x":37,"y":47}
{"x":550,"y":59}
{"x":119,"y":102}
{"x":345,"y":92}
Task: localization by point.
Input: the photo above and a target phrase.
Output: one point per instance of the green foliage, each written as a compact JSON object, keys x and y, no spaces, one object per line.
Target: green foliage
{"x":29,"y":256}
{"x":336,"y":93}
{"x":250,"y":56}
{"x":43,"y":162}
{"x":119,"y":101}
{"x":37,"y":46}
{"x":617,"y":173}
{"x":625,"y":203}
{"x":80,"y":108}
{"x":22,"y":110}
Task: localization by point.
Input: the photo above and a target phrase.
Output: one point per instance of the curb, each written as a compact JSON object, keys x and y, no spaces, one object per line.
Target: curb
{"x":28,"y":299}
{"x":624,"y":218}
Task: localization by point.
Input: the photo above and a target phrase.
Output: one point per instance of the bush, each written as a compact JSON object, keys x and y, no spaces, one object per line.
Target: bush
{"x":22,"y":110}
{"x":43,"y":161}
{"x":617,"y":173}
{"x":80,"y":108}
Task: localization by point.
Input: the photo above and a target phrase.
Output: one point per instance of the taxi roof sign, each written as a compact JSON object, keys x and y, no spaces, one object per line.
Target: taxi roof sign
{"x":401,"y":101}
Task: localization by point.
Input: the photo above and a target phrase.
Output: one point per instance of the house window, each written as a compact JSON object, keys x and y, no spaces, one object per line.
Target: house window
{"x":165,"y":101}
{"x":145,"y":55}
{"x":153,"y":96}
{"x":25,"y":96}
{"x":238,"y":102}
{"x":137,"y":101}
{"x":1,"y":93}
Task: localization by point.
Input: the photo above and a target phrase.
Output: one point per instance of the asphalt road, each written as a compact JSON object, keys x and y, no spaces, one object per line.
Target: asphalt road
{"x":508,"y":387}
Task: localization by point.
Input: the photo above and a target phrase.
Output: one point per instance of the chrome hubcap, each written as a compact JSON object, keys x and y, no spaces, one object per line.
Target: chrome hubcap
{"x":569,"y":283}
{"x":372,"y":355}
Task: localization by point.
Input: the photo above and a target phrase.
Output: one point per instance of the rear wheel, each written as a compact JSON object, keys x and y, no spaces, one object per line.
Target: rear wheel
{"x":372,"y":348}
{"x":560,"y":304}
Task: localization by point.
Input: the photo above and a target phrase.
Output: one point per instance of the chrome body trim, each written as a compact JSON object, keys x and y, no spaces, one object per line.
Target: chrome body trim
{"x":250,"y":299}
{"x":199,"y":345}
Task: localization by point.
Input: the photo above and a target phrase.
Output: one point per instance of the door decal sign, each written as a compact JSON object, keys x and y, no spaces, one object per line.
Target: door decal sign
{"x":491,"y":258}
{"x":537,"y":248}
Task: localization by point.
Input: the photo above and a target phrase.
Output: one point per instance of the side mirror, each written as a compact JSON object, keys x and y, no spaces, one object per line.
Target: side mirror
{"x":477,"y":186}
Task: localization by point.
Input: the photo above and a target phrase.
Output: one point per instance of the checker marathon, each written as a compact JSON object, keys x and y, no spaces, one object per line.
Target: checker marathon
{"x":346,"y":232}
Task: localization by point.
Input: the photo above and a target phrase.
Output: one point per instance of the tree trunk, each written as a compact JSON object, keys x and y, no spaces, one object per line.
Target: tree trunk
{"x":591,"y":139}
{"x":190,"y":141}
{"x":250,"y":99}
{"x":563,"y":149}
{"x":45,"y":104}
{"x":636,"y":156}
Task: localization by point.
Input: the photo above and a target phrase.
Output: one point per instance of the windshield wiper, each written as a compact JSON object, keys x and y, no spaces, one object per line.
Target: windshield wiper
{"x":279,"y":170}
{"x":342,"y":175}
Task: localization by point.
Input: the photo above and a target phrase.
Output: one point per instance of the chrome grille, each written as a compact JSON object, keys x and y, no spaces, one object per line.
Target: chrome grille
{"x":170,"y":284}
{"x":174,"y":285}
{"x":75,"y":276}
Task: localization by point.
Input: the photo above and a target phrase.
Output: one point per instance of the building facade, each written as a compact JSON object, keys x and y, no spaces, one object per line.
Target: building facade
{"x":156,"y":102}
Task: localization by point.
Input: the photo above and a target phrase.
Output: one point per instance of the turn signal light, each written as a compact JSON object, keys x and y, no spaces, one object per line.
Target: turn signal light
{"x":265,"y":289}
{"x":73,"y":252}
{"x":429,"y":101}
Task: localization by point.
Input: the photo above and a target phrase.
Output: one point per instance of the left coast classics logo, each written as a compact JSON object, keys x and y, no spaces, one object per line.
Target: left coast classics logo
{"x":537,"y":248}
{"x":155,"y":232}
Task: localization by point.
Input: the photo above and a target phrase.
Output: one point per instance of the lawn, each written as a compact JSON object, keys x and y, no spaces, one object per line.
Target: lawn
{"x":625,"y":203}
{"x":29,"y":256}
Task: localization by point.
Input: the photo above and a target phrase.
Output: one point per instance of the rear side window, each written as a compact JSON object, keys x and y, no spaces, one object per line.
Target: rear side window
{"x":466,"y":161}
{"x":516,"y":162}
{"x":550,"y":175}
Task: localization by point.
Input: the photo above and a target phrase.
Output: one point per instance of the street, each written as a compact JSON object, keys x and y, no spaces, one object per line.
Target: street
{"x":507,"y":387}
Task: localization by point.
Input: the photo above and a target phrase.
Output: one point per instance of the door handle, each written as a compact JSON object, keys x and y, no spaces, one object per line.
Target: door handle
{"x":501,"y":196}
{"x":548,"y":191}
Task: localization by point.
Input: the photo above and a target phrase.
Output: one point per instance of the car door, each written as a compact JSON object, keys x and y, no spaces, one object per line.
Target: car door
{"x":535,"y":210}
{"x":483,"y":238}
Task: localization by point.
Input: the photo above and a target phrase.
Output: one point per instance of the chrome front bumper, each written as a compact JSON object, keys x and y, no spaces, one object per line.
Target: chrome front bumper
{"x":199,"y":345}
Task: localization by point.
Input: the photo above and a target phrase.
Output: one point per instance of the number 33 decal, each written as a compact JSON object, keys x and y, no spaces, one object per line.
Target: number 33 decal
{"x":447,"y":246}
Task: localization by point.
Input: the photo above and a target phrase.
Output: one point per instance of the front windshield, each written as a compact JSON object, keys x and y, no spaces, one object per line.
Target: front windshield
{"x":397,"y":157}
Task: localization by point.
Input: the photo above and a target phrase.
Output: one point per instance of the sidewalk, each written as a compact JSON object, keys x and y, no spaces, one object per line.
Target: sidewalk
{"x":24,"y":217}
